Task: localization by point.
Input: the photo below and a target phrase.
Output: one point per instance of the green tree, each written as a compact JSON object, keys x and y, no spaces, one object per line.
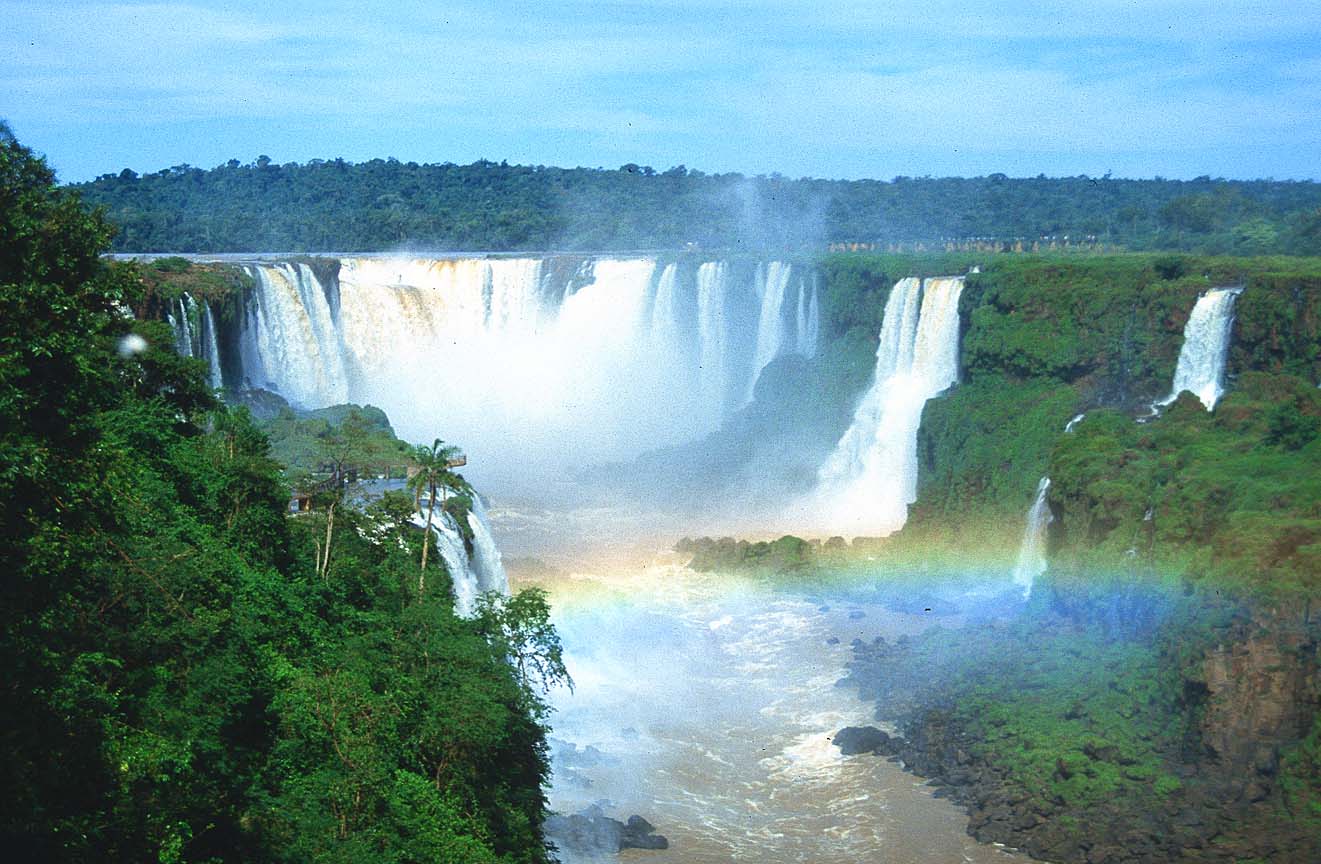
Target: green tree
{"x":432,"y":475}
{"x":519,"y":626}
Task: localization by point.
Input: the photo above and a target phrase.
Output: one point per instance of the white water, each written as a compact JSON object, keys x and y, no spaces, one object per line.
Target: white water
{"x":487,"y":566}
{"x":1032,"y":553}
{"x":1201,"y":368}
{"x":1077,"y":418}
{"x":211,"y":347}
{"x":471,"y":575}
{"x":533,"y":365}
{"x":288,"y":341}
{"x":665,"y":332}
{"x":867,"y":483}
{"x":712,"y":364}
{"x":773,"y":281}
{"x":200,"y":342}
{"x":183,"y":325}
{"x":709,"y":704}
{"x":808,"y":321}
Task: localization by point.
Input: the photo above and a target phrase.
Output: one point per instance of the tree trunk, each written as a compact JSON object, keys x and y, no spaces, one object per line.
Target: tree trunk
{"x":426,"y":536}
{"x":324,"y":567}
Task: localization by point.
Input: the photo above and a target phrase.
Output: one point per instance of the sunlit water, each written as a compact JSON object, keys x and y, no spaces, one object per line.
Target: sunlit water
{"x":710,"y":701}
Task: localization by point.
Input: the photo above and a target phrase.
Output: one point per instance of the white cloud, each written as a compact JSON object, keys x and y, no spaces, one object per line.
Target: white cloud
{"x":771,"y":83}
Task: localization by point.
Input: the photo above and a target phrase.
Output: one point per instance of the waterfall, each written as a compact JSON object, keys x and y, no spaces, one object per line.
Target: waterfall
{"x":534,"y":364}
{"x":1077,"y":418}
{"x":1032,"y":551}
{"x":449,"y":545}
{"x":712,"y":364}
{"x":471,"y":575}
{"x":183,"y":326}
{"x":867,"y":483}
{"x":289,"y":341}
{"x":487,"y":565}
{"x":195,"y":334}
{"x":1201,"y":368}
{"x":211,"y":347}
{"x":665,"y":311}
{"x":808,"y":322}
{"x":773,"y":282}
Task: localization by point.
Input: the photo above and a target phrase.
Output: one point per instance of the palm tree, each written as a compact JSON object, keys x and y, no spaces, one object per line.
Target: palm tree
{"x":433,"y":473}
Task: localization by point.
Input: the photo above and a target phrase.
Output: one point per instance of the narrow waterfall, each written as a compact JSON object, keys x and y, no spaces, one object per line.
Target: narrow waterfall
{"x":471,"y":575}
{"x":665,"y":311}
{"x":808,"y":324}
{"x":182,"y":322}
{"x":1201,"y":368}
{"x":712,"y":339}
{"x":1032,"y":552}
{"x":867,"y":483}
{"x":449,"y":544}
{"x":1077,"y":418}
{"x":773,"y":282}
{"x":487,"y":565}
{"x":211,"y":347}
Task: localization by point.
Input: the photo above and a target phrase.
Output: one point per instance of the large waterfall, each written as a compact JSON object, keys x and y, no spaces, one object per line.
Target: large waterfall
{"x":1032,"y":553}
{"x":1201,"y":368}
{"x":535,"y":365}
{"x":867,"y":483}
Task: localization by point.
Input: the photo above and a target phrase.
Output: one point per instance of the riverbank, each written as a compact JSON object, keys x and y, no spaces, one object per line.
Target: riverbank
{"x":1145,"y":731}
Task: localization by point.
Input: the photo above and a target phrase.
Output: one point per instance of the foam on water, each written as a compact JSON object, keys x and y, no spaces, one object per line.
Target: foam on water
{"x":711,"y":702}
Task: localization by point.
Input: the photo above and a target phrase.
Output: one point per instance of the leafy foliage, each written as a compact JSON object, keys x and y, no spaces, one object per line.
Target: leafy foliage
{"x":180,"y":685}
{"x":378,"y":205}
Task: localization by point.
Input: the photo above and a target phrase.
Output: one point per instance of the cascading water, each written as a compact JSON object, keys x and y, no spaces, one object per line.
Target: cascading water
{"x":288,"y":341}
{"x":712,"y":364}
{"x":1201,"y":368}
{"x":182,"y":323}
{"x":867,"y":483}
{"x":1032,"y":553}
{"x":808,"y":321}
{"x":471,"y":575}
{"x":665,"y":311}
{"x":773,"y":281}
{"x":211,"y":347}
{"x":530,"y":363}
{"x":487,"y":566}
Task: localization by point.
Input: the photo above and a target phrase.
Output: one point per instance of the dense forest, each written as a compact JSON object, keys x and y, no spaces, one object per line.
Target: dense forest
{"x":382,"y":205}
{"x":191,"y":674}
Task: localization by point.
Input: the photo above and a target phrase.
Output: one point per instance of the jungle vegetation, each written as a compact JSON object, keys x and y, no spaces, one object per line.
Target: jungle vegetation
{"x":384,"y":204}
{"x":191,"y":674}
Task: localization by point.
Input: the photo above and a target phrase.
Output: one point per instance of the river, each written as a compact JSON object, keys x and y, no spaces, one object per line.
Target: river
{"x":706,"y":703}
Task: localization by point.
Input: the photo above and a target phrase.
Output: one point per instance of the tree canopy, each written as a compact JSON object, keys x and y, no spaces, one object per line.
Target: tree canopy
{"x":185,"y":680}
{"x":384,"y":204}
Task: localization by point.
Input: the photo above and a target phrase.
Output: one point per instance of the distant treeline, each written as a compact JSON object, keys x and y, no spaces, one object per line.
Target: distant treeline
{"x":386,"y":204}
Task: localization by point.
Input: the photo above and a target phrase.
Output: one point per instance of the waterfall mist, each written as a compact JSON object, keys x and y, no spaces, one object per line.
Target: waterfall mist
{"x":537,"y":367}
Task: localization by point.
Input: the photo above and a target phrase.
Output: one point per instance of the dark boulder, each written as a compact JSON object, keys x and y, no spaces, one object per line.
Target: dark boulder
{"x":852,"y":740}
{"x":591,"y":832}
{"x":641,"y":834}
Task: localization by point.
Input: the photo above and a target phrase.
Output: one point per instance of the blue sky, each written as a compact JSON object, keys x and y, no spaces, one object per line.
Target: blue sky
{"x":830,"y":89}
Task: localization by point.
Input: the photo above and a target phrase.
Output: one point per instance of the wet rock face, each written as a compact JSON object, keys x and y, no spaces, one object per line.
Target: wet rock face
{"x":1262,"y":692}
